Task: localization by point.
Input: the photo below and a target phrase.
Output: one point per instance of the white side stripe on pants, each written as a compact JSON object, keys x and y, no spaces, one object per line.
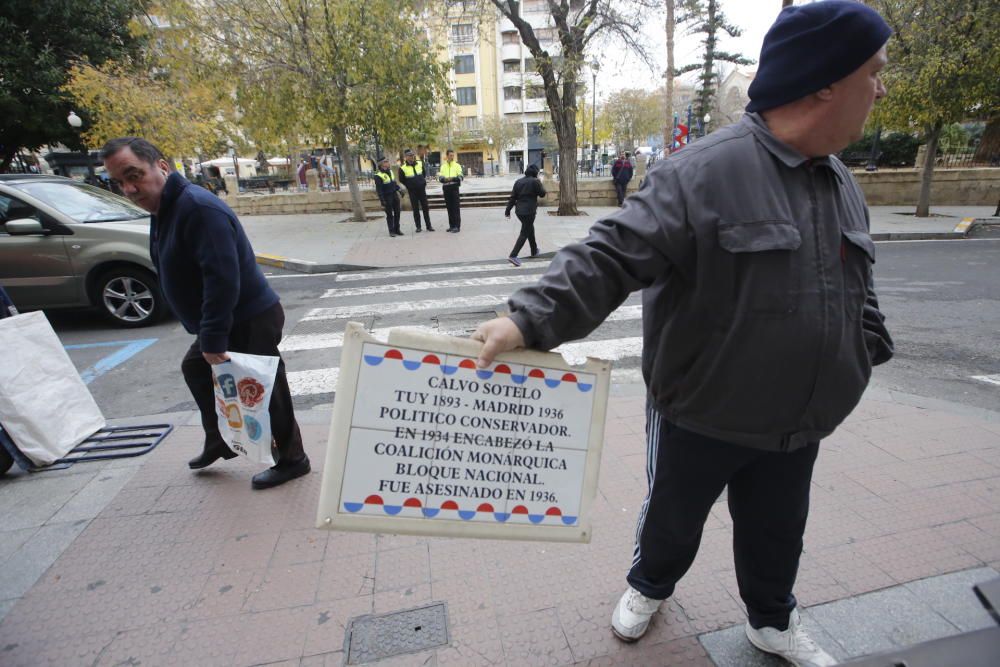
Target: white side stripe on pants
{"x":653,"y":424}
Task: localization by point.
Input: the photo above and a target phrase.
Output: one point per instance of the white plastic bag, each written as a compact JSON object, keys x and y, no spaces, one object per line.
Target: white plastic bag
{"x":243,"y":387}
{"x":44,"y":405}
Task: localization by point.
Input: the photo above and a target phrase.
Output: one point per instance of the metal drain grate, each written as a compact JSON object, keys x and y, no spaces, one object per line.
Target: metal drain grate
{"x":371,"y":638}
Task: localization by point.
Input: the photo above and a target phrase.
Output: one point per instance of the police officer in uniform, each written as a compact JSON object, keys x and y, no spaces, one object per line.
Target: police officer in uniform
{"x":451,"y":178}
{"x":388,"y":194}
{"x":411,"y":174}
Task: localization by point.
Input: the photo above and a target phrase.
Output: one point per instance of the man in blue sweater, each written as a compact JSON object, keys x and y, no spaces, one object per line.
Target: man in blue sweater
{"x":211,"y":281}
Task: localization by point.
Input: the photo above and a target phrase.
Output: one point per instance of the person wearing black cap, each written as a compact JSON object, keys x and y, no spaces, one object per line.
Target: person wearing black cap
{"x":524,"y":200}
{"x":411,"y":175}
{"x":760,"y":320}
{"x":387,"y":190}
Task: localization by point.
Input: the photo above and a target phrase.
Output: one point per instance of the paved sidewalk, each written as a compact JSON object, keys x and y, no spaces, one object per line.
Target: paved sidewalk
{"x":182,"y":568}
{"x":328,"y":242}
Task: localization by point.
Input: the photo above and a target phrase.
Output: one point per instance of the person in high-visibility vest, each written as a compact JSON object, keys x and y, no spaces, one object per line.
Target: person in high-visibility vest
{"x":411,"y":174}
{"x":451,"y":178}
{"x":388,"y":194}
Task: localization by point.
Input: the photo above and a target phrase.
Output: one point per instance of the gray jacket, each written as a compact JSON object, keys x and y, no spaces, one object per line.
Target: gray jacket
{"x":760,"y":320}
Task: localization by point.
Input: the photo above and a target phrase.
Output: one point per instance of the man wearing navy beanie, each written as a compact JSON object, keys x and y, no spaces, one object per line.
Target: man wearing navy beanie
{"x":760,"y":320}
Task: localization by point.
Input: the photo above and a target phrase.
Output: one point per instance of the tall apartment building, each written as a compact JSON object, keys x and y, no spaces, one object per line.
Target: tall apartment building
{"x":493,"y":74}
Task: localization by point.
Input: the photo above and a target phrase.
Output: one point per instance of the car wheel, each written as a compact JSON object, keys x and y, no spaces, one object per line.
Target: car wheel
{"x":129,"y":297}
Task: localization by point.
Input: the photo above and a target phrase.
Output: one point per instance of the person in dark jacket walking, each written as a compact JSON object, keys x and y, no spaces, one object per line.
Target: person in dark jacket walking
{"x":621,"y":174}
{"x":524,"y":200}
{"x":387,"y":190}
{"x":210,"y":279}
{"x":414,"y":179}
{"x":760,"y":319}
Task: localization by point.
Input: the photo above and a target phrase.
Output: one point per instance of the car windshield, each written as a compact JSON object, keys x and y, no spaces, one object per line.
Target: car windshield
{"x":83,"y":203}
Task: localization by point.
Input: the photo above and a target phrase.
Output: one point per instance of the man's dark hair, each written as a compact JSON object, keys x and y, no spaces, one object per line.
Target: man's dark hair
{"x":450,"y":150}
{"x":142,"y":149}
{"x":532,"y":170}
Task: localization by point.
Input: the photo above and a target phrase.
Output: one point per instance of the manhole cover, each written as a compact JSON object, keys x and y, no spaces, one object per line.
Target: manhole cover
{"x":465,"y":322}
{"x":371,"y":638}
{"x":307,"y":327}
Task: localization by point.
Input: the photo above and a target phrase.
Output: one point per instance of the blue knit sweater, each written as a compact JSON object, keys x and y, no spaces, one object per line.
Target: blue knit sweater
{"x":208,"y":271}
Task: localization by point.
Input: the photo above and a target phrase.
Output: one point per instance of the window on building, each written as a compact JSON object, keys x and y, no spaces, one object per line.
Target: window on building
{"x":465,"y":64}
{"x":469,"y":123}
{"x":465,"y":95}
{"x":511,"y":37}
{"x":529,"y":64}
{"x":512,"y":66}
{"x":545,"y":34}
{"x":535,"y":92}
{"x":534,"y":129}
{"x":530,"y":6}
{"x":512,"y":92}
{"x":463,"y":33}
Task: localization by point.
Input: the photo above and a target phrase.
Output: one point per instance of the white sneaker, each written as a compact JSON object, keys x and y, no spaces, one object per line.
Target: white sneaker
{"x":793,"y":644}
{"x":631,"y":616}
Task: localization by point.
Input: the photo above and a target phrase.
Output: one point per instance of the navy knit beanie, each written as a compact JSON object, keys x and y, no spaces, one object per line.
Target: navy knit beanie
{"x":811,"y":46}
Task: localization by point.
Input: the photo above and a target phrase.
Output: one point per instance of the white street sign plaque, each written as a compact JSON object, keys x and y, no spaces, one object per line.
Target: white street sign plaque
{"x":424,"y":443}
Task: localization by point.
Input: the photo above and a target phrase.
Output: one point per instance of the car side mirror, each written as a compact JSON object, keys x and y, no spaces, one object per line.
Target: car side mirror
{"x":24,"y":227}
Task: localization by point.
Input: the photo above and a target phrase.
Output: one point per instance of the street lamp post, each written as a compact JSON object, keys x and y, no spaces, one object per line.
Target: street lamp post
{"x":707,"y":119}
{"x":490,"y":142}
{"x":873,"y":158}
{"x":76,"y":123}
{"x":594,"y":67}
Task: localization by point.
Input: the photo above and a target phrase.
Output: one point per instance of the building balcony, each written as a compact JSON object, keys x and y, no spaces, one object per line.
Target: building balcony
{"x":534,"y":105}
{"x":513,"y":106}
{"x":512,"y":79}
{"x":510,"y":52}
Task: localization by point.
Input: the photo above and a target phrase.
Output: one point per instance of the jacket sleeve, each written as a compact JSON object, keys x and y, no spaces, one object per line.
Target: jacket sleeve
{"x":380,"y":189}
{"x":615,"y":168}
{"x":877,"y":338}
{"x":540,"y":188}
{"x":512,"y":200}
{"x":211,"y":236}
{"x":645,"y":241}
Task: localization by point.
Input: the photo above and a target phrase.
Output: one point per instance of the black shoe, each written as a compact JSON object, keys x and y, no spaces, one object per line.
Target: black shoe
{"x":451,"y":230}
{"x":281,"y":473}
{"x":429,"y":228}
{"x":210,"y":455}
{"x":419,"y":230}
{"x":399,"y":233}
{"x":536,"y":253}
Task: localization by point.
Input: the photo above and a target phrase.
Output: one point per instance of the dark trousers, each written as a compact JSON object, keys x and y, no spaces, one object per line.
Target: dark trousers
{"x":768,"y":501}
{"x":258,"y":335}
{"x":453,"y":201}
{"x":418,"y":199}
{"x":620,"y":191}
{"x":391,"y":206}
{"x":527,"y":234}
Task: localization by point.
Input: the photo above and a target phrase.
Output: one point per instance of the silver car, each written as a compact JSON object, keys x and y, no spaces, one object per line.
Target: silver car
{"x":65,"y":244}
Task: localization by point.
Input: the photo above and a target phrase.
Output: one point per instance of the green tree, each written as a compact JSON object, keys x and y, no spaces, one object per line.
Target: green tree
{"x":160,"y":93}
{"x":581,"y":26}
{"x":706,"y":17}
{"x":500,"y":132}
{"x":324,"y":70}
{"x":943,"y":62}
{"x":41,"y":41}
{"x":633,"y":115}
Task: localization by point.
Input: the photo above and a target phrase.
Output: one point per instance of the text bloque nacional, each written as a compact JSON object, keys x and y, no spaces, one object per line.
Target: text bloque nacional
{"x":423,"y":442}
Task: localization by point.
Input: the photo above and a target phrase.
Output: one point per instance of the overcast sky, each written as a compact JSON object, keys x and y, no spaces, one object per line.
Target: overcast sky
{"x":618,"y":69}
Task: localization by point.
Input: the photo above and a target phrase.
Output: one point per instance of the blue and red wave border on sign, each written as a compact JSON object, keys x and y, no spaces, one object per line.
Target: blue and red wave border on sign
{"x":469,"y":364}
{"x":465,"y":515}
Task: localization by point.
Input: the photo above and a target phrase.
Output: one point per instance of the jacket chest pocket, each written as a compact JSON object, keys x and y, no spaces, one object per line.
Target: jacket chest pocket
{"x":857,"y":255}
{"x":766,"y":271}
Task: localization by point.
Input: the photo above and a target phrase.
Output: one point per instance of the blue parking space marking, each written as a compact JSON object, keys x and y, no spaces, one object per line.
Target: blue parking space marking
{"x":129,"y":348}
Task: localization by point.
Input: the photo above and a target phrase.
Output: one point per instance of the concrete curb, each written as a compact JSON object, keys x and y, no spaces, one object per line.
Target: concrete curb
{"x":305,"y":266}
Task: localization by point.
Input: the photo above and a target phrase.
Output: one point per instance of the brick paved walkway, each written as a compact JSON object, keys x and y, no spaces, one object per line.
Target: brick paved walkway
{"x":196,"y":569}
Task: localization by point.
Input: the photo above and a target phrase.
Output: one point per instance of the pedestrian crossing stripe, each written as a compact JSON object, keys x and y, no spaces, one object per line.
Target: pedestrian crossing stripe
{"x":368,"y":290}
{"x":354,"y":276}
{"x":343,"y":312}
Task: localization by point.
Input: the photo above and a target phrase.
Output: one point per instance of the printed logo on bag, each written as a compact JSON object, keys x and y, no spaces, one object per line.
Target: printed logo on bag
{"x":251,"y":392}
{"x":254,"y":429}
{"x":228,"y":385}
{"x":220,"y":405}
{"x":233,"y":415}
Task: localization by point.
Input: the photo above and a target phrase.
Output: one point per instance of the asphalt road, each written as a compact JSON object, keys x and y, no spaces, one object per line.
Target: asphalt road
{"x":941,"y":298}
